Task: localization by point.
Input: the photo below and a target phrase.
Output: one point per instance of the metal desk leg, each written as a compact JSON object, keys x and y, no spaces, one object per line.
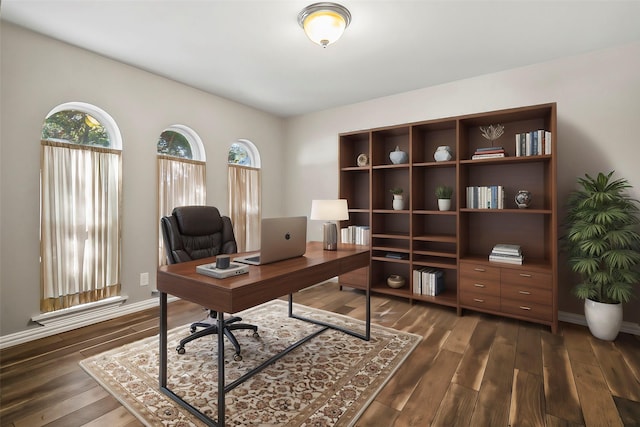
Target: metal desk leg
{"x":221,"y":391}
{"x":163,"y":340}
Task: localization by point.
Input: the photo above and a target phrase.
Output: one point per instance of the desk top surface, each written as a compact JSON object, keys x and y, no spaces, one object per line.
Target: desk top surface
{"x":263,"y":283}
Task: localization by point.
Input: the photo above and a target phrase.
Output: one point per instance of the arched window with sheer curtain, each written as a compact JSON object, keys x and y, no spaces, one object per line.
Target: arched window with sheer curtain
{"x":244,"y":185}
{"x":80,"y":214}
{"x":181,"y":174}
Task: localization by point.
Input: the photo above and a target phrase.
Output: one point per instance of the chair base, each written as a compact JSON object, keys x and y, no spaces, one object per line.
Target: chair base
{"x":211,"y":329}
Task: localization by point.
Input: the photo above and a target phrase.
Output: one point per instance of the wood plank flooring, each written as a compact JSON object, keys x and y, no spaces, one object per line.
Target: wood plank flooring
{"x":473,"y":370}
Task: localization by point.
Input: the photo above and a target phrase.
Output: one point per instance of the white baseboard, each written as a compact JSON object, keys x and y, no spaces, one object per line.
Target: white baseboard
{"x":579,"y":319}
{"x":77,"y":320}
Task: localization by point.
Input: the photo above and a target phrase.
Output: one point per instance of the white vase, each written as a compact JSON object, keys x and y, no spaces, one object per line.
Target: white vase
{"x":398,"y":156}
{"x":442,"y":154}
{"x":444,"y":204}
{"x":398,"y":202}
{"x":604,"y":320}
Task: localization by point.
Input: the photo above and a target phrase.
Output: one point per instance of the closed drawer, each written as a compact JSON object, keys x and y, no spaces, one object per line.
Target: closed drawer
{"x":479,"y":271}
{"x":527,"y":309}
{"x":526,"y":278}
{"x":526,"y":294}
{"x":485,"y":302}
{"x":481,"y":285}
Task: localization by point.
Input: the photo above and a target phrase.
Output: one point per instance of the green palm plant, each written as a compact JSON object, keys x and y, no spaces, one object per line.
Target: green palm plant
{"x":602,"y":241}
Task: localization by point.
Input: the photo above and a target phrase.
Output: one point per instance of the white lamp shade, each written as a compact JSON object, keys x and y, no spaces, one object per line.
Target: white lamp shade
{"x":329,"y":210}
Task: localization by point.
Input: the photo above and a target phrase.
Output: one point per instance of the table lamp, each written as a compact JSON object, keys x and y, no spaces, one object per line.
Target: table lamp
{"x":329,"y":210}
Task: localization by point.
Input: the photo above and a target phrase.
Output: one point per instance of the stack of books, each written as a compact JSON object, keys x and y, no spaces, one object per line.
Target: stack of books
{"x":510,"y":254}
{"x":428,"y":281}
{"x":534,"y":143}
{"x":357,"y":234}
{"x":485,"y":197}
{"x":488,"y":153}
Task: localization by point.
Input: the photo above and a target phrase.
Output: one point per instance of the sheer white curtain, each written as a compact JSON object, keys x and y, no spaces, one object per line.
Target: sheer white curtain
{"x":244,"y":206}
{"x":181,"y":182}
{"x":80,"y":224}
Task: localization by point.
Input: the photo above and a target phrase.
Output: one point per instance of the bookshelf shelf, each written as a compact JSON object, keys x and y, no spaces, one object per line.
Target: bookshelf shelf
{"x":458,"y":240}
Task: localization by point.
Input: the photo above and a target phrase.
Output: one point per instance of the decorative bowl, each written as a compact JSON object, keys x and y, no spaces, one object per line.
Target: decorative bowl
{"x":394,"y":281}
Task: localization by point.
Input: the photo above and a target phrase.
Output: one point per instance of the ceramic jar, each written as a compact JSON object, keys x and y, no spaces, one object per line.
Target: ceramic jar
{"x":443,"y":153}
{"x":523,"y":199}
{"x":394,"y":281}
{"x":398,"y":156}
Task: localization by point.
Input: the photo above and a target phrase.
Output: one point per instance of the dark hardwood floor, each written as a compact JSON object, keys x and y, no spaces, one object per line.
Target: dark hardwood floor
{"x":473,"y":370}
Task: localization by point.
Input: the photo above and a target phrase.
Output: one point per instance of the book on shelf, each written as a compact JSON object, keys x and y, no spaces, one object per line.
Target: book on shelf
{"x":508,"y":259}
{"x":355,"y":234}
{"x":428,"y":281}
{"x":485,"y":197}
{"x":488,"y":155}
{"x":485,"y":149}
{"x":507,"y":253}
{"x":507,"y":249}
{"x":533,"y":143}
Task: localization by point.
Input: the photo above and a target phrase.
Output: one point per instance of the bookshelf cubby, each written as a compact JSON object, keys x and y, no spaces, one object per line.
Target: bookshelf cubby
{"x":457,"y":241}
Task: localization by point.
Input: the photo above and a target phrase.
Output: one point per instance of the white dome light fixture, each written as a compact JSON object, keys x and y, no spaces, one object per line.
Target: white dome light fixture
{"x":324,"y":22}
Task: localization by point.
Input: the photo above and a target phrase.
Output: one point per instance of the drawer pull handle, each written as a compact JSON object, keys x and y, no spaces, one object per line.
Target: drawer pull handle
{"x":525,"y":275}
{"x":523,"y":307}
{"x":524,"y":292}
{"x":478,"y":285}
{"x":478,"y":300}
{"x":479,"y":269}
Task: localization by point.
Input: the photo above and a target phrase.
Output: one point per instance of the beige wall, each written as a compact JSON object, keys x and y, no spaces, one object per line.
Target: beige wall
{"x":38,"y":74}
{"x":598,"y":96}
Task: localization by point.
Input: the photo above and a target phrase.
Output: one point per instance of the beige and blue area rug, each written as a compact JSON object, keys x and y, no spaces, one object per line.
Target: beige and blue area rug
{"x":328,"y":381}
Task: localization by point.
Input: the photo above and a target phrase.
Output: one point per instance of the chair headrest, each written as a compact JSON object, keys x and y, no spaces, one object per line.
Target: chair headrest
{"x":198,"y":220}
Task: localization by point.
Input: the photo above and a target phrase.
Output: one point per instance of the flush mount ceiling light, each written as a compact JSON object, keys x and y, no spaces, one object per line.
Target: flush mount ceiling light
{"x":324,"y":22}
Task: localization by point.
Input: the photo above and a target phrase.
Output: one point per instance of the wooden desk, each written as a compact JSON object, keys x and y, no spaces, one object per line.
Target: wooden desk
{"x":262,"y":283}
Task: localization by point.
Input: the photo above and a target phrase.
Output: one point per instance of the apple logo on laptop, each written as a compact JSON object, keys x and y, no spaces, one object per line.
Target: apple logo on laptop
{"x":287,"y":236}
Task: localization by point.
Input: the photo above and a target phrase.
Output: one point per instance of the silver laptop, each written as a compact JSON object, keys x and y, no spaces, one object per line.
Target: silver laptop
{"x":280,"y":238}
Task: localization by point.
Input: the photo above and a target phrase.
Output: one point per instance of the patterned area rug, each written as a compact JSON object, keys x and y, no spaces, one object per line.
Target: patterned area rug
{"x":328,"y":381}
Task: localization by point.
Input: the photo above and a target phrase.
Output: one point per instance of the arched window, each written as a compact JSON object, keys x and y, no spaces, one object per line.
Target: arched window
{"x":80,"y":206}
{"x":181,"y":174}
{"x":245,"y":192}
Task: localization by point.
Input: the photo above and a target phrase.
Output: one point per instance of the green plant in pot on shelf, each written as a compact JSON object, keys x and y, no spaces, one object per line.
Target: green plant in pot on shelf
{"x":604,"y":249}
{"x":398,"y":200}
{"x":443,"y":194}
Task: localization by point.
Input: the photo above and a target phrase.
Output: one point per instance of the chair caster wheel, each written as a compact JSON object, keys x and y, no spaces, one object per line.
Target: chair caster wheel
{"x":237,"y":357}
{"x":256,"y":334}
{"x":180,"y":350}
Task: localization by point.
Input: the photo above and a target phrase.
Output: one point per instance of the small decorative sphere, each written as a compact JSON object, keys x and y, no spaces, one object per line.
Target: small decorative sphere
{"x":523,"y":199}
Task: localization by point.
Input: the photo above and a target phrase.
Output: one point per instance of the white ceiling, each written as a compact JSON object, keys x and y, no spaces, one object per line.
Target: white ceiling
{"x":255,"y":53}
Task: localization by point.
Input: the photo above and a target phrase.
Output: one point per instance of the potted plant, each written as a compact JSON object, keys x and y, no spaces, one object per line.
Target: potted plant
{"x":444,"y":193}
{"x":398,"y":202}
{"x":604,"y":249}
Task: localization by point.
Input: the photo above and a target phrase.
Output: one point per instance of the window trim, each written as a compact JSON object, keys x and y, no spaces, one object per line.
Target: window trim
{"x":115,"y":137}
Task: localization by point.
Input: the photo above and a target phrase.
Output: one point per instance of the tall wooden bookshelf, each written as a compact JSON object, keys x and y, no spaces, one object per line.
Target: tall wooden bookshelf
{"x":457,"y":241}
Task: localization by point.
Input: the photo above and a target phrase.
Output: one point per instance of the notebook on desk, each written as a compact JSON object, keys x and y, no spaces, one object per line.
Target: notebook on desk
{"x":280,"y":238}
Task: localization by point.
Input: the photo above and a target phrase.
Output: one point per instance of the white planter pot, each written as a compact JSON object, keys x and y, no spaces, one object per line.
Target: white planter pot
{"x":444,"y":204}
{"x":398,"y":203}
{"x":604,"y":320}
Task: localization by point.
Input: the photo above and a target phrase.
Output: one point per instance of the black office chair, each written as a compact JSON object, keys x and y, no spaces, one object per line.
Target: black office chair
{"x":194,"y":232}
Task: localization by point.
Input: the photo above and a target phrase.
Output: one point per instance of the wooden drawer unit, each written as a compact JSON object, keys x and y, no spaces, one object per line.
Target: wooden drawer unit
{"x":526,"y":278}
{"x":480,"y":301}
{"x":527,"y":309}
{"x":511,"y":291}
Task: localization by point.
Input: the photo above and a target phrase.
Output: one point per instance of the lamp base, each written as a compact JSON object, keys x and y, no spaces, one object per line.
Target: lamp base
{"x":330,"y":236}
